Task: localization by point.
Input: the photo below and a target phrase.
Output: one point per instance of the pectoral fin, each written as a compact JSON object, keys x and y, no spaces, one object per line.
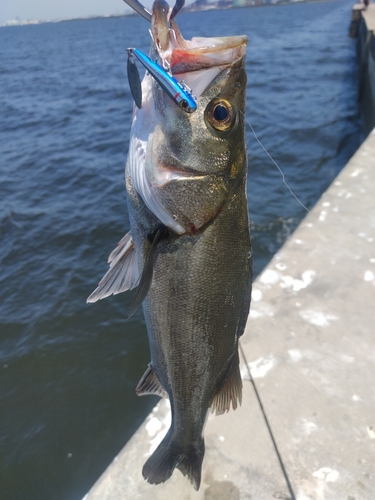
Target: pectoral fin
{"x":148,"y":268}
{"x":149,"y":384}
{"x":231,"y":390}
{"x":123,"y":273}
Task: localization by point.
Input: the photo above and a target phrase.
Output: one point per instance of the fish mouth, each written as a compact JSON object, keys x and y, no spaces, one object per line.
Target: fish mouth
{"x":189,"y":56}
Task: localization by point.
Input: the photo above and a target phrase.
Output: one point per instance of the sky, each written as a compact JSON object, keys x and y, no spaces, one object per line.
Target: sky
{"x":45,"y":10}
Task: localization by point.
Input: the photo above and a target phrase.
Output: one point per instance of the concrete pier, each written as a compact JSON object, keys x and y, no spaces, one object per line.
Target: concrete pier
{"x":310,"y":345}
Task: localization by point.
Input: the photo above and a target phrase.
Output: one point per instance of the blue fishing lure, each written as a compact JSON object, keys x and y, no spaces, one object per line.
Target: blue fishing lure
{"x":178,"y":91}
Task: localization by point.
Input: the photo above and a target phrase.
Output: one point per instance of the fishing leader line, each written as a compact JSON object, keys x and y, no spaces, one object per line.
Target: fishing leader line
{"x":282,"y":466}
{"x":283,"y":469}
{"x":276,"y":165}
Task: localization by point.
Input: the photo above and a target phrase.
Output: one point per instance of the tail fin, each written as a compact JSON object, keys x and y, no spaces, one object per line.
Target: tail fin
{"x":160,"y":466}
{"x":190,"y":464}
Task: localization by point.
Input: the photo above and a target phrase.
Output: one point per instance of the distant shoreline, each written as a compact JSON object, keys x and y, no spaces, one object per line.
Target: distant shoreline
{"x":188,"y":9}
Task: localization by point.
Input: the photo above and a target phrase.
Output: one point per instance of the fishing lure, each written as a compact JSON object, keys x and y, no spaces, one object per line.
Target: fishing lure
{"x":178,"y":91}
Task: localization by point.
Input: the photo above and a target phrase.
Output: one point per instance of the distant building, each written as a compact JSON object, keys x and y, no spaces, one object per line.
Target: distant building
{"x":13,"y":22}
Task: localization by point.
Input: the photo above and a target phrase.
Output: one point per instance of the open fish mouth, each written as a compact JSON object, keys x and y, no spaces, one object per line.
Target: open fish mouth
{"x":199,"y":53}
{"x":188,"y":59}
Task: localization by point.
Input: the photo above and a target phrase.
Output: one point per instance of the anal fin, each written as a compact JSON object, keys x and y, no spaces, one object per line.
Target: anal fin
{"x":231,"y":389}
{"x":150,"y":384}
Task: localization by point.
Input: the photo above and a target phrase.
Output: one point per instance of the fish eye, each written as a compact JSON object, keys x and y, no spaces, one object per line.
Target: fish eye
{"x":184,"y":104}
{"x":220,"y":114}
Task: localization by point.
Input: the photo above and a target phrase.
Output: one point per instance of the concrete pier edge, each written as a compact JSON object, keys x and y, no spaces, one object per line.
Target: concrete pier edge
{"x":310,"y":346}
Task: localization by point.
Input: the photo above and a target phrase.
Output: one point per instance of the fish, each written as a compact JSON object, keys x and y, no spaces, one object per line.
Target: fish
{"x":188,"y":254}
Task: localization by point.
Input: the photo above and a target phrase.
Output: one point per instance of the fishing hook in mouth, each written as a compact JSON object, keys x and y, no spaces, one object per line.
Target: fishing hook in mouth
{"x":142,"y":11}
{"x":178,"y":91}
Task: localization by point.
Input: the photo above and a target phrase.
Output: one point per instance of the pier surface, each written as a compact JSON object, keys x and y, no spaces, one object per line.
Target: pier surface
{"x":369,"y":17}
{"x":310,"y":345}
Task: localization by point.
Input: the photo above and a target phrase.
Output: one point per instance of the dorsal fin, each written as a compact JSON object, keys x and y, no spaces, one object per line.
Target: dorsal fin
{"x":150,"y":384}
{"x":123,"y":272}
{"x":231,"y":390}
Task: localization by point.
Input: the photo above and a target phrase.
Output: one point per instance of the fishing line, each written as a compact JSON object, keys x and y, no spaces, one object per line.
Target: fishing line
{"x":285,"y":474}
{"x":282,"y":466}
{"x":276,"y":165}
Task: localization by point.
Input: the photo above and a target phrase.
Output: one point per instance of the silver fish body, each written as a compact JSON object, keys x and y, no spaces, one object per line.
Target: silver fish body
{"x":198,"y":301}
{"x":186,"y":185}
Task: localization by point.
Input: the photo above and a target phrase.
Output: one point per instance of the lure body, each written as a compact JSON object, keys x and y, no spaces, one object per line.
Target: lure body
{"x":178,"y":91}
